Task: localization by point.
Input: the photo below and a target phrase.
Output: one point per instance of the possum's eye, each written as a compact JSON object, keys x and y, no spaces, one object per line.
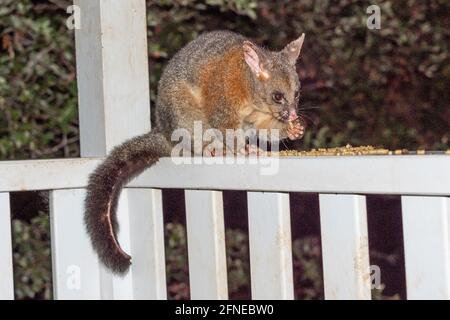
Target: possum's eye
{"x":297,"y":94}
{"x":278,"y":97}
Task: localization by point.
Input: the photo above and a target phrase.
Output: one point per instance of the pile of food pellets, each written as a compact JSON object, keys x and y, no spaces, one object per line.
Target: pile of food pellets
{"x":349,"y":150}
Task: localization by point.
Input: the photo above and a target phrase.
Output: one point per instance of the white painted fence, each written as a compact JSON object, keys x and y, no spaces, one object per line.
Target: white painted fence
{"x":114,"y":105}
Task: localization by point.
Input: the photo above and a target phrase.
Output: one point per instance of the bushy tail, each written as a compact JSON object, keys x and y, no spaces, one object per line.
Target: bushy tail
{"x":105,"y":184}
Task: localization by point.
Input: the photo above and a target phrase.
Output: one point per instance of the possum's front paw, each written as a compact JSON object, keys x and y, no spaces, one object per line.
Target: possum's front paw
{"x":296,"y":130}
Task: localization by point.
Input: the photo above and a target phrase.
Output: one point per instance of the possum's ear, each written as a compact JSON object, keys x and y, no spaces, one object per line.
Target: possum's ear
{"x":254,"y":61}
{"x":292,"y":50}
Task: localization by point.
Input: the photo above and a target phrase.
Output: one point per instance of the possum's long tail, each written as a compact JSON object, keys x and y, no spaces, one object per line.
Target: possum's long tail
{"x":105,"y":184}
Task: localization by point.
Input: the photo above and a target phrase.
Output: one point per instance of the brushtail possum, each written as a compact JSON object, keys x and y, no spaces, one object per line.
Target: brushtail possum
{"x":223,"y":80}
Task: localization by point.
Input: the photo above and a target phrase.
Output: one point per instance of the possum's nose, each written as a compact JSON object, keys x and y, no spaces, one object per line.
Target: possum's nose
{"x":292,"y":114}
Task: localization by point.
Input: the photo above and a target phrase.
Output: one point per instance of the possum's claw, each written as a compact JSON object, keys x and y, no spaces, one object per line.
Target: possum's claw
{"x":296,"y":130}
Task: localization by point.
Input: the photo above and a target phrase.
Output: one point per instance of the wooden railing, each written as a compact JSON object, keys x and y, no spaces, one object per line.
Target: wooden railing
{"x":114,"y":105}
{"x":423,"y":182}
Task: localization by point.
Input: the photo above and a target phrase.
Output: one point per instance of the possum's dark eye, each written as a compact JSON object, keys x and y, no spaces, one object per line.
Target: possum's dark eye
{"x":278,"y":97}
{"x":297,"y":94}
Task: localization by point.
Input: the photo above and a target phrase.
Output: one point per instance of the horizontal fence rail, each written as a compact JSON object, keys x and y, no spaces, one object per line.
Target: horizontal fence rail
{"x":51,"y":174}
{"x":403,"y":175}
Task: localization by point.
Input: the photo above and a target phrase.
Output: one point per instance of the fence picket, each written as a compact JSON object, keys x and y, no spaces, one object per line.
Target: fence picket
{"x":6,"y":264}
{"x":112,"y":73}
{"x":75,"y":265}
{"x":270,"y":245}
{"x":113,"y":92}
{"x":426,"y":233}
{"x":147,"y":244}
{"x":206,"y":245}
{"x":345,"y":250}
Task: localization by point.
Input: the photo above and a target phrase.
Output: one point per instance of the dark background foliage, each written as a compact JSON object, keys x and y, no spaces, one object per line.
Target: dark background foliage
{"x":386,"y":87}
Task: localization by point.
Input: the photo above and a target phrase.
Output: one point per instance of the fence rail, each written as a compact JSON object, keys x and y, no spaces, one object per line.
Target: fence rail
{"x":403,"y":175}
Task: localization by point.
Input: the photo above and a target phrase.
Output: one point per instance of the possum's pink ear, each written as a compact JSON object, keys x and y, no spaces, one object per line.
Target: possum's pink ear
{"x":292,"y":50}
{"x":253,"y":61}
